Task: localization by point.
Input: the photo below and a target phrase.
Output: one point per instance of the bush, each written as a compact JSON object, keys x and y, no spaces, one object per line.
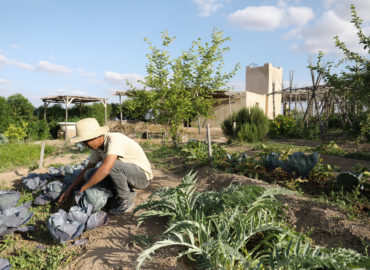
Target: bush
{"x":364,"y":133}
{"x":283,"y":125}
{"x":15,"y":133}
{"x":252,"y":125}
{"x":38,"y":130}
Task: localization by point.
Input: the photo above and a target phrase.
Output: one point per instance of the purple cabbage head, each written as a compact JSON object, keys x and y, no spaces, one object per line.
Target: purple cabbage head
{"x":33,"y":181}
{"x":4,"y":264}
{"x":12,"y":219}
{"x":8,"y":199}
{"x":62,"y":229}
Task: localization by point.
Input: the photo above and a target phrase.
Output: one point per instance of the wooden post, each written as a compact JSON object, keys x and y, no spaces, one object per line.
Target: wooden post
{"x":67,"y":101}
{"x":46,"y":104}
{"x":65,"y":127}
{"x":198,"y":124}
{"x":229,"y":102}
{"x":209,"y":143}
{"x":295,"y":101}
{"x":163,"y":138}
{"x":120,"y":109}
{"x":104,"y":101}
{"x":291,"y":76}
{"x":42,"y":154}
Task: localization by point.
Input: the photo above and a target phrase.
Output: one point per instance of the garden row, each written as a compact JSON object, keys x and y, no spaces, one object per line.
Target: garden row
{"x":239,"y":227}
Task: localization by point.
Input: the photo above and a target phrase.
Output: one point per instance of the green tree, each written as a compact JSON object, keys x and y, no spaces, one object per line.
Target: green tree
{"x":5,"y":117}
{"x":20,"y":108}
{"x":351,"y":87}
{"x":181,"y":87}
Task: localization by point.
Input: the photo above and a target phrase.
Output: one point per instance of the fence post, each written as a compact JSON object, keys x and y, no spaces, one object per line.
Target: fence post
{"x":163,"y":138}
{"x":209,"y":143}
{"x":42,"y":154}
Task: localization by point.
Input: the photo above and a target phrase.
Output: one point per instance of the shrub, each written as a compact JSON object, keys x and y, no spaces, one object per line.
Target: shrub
{"x":38,"y":130}
{"x":16,"y":133}
{"x":251,"y":125}
{"x":283,"y":125}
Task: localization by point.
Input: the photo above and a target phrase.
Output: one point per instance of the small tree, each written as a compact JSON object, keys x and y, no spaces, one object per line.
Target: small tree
{"x":181,"y":88}
{"x":351,"y":86}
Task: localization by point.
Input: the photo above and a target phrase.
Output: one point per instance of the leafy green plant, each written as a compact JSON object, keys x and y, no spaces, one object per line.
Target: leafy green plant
{"x":198,"y":151}
{"x":284,"y":125}
{"x":16,"y":133}
{"x":240,"y":227}
{"x":300,"y":165}
{"x":252,"y":125}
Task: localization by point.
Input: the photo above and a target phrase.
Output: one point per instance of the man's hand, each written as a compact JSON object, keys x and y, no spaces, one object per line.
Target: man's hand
{"x":64,"y":197}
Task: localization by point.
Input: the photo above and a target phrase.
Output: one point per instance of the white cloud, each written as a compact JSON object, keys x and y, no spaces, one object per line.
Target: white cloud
{"x":271,"y":17}
{"x":298,"y":15}
{"x":207,"y":7}
{"x":258,"y":18}
{"x":342,"y":8}
{"x":41,"y":66}
{"x":52,"y":68}
{"x":319,"y":37}
{"x":86,"y":74}
{"x":4,"y":80}
{"x":15,"y":46}
{"x":8,"y":61}
{"x":120,"y":79}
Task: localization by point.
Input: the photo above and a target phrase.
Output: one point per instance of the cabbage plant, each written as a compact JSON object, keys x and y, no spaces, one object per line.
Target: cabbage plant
{"x":51,"y":191}
{"x":11,"y":219}
{"x":8,"y":199}
{"x":4,"y":264}
{"x":271,"y":161}
{"x":97,"y":219}
{"x":62,"y":229}
{"x":299,"y":164}
{"x":95,"y":196}
{"x":33,"y":181}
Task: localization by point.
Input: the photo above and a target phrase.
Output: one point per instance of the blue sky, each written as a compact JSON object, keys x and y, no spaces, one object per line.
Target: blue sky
{"x":78,"y":47}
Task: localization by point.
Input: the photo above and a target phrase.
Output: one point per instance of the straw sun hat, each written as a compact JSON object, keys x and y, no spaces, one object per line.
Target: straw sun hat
{"x":87,"y":129}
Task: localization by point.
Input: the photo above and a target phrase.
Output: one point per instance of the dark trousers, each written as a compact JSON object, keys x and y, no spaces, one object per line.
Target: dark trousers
{"x":122,"y":178}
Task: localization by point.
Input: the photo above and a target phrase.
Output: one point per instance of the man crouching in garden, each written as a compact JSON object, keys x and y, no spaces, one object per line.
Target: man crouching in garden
{"x":125,"y":165}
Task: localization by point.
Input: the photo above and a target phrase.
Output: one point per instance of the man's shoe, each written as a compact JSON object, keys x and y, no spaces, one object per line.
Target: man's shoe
{"x":124,"y":206}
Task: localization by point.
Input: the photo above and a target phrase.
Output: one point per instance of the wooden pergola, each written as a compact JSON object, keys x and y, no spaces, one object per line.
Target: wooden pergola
{"x":78,"y":100}
{"x":120,"y":94}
